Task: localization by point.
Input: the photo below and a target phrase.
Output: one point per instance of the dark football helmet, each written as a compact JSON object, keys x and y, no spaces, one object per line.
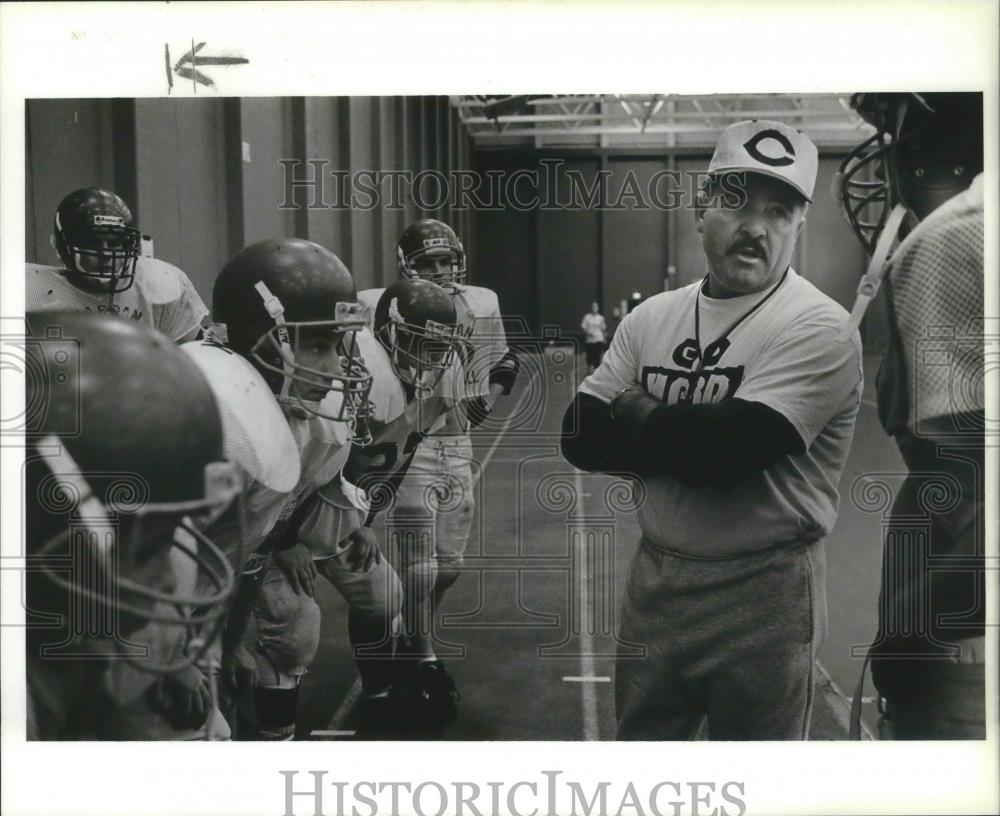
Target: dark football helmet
{"x":124,"y":469}
{"x":277,"y":295}
{"x":430,"y":250}
{"x":415,"y":322}
{"x":95,"y":235}
{"x":926,"y":148}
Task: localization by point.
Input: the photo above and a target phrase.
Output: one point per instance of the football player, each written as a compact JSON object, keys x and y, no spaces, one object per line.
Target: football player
{"x":285,"y":315}
{"x":927,"y":155}
{"x":415,"y":326}
{"x":437,"y":493}
{"x":282,"y":362}
{"x":124,"y":465}
{"x":411,"y":355}
{"x":102,"y":271}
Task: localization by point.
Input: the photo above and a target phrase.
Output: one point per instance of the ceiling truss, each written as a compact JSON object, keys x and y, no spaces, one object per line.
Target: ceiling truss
{"x":611,"y":120}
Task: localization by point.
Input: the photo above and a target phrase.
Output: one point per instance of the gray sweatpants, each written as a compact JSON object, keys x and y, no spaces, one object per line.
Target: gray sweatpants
{"x":733,"y":640}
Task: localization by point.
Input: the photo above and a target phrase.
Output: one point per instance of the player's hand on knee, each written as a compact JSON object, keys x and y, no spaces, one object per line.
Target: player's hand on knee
{"x":239,"y":671}
{"x":298,"y":566}
{"x":183,"y":698}
{"x":362,"y":549}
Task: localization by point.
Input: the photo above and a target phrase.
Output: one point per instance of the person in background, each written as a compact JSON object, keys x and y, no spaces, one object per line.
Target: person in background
{"x":436,"y":499}
{"x":594,"y":328}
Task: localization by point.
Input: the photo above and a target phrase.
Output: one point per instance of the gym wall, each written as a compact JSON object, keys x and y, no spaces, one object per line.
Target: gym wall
{"x":204,"y":180}
{"x":560,"y":260}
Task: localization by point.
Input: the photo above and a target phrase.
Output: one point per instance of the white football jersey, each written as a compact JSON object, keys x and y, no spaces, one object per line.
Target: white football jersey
{"x":483,"y":344}
{"x":285,"y":457}
{"x":394,"y":418}
{"x":258,"y":439}
{"x":161,"y":296}
{"x":255,"y":430}
{"x":369,"y":297}
{"x":484,"y":341}
{"x":323,"y":445}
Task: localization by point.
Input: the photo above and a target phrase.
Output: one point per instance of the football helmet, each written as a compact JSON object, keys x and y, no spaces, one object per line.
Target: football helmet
{"x":277,"y":294}
{"x":415,"y":322}
{"x":124,"y":470}
{"x":95,"y":235}
{"x":926,"y":148}
{"x":425,"y":241}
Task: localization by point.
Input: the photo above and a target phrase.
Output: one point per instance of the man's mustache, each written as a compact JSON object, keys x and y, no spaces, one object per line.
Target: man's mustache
{"x":749,"y":246}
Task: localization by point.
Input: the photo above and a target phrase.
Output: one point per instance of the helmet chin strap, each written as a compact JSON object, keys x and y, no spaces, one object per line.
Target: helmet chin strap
{"x":420,"y":390}
{"x":420,"y":386}
{"x":300,"y":408}
{"x":869,"y":284}
{"x":112,"y":286}
{"x":276,"y":311}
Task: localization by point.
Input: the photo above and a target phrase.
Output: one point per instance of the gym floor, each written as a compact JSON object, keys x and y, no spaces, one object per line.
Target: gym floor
{"x":533,"y":659}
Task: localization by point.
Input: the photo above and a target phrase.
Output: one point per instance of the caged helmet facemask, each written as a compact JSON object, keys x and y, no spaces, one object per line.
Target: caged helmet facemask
{"x":926,"y":148}
{"x":274,"y":352}
{"x":94,"y":234}
{"x":124,"y":523}
{"x":865,"y":183}
{"x":290,"y":307}
{"x":420,"y":354}
{"x":427,"y":239}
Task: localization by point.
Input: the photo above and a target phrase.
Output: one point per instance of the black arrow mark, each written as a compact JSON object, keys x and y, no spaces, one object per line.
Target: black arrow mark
{"x":192,"y":72}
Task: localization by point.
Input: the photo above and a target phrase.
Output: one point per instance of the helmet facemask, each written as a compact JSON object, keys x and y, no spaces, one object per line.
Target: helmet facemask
{"x":918,"y":157}
{"x":304,"y":388}
{"x":420,"y":354}
{"x":105,"y":257}
{"x":409,"y":263}
{"x":108,"y":547}
{"x":866,"y":175}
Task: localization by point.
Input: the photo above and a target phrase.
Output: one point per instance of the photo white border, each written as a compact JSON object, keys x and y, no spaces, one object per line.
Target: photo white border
{"x":332,"y":49}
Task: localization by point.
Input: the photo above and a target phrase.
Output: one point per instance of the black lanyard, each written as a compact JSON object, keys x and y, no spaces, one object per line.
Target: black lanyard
{"x":717,"y":348}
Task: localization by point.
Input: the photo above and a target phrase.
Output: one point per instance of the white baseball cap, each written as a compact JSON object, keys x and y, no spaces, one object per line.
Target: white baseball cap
{"x":770,"y":148}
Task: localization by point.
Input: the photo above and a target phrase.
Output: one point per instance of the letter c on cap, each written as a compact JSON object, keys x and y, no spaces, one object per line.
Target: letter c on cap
{"x":751,"y":147}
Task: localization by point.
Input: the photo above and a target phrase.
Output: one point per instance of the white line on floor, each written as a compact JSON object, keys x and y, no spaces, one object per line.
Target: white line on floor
{"x":845,"y":701}
{"x":590,"y":729}
{"x":870,"y":404}
{"x":340,"y":715}
{"x":331,"y":733}
{"x":571,"y":679}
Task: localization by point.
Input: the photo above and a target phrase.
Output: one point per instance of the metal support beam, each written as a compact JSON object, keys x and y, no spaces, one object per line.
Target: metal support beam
{"x":611,"y":117}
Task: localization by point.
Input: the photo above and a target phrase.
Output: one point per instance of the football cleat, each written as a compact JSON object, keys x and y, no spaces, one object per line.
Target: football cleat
{"x":437,"y":694}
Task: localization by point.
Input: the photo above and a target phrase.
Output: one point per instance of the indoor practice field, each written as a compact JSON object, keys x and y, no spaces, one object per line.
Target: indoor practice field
{"x":502,"y":613}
